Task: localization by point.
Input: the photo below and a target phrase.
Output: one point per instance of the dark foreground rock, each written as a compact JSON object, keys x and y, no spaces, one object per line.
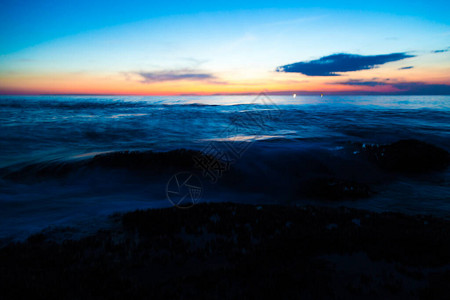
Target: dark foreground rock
{"x":148,"y":162}
{"x":408,"y":156}
{"x":335,"y":189}
{"x":232,"y":251}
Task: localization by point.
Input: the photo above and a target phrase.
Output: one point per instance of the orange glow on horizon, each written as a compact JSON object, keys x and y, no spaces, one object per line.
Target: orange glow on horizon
{"x":112,"y":84}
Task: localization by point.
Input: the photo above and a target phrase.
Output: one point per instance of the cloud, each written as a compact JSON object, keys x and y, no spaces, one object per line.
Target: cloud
{"x":360,"y":82}
{"x":421,"y":88}
{"x":401,"y":88}
{"x":342,"y":62}
{"x":441,"y":50}
{"x":176,"y":75}
{"x":406,"y":68}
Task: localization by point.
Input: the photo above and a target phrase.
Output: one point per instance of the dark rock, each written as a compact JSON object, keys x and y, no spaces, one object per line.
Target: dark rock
{"x":141,"y":161}
{"x":250,"y":253}
{"x":407,"y":156}
{"x":146,"y":160}
{"x":335,"y":189}
{"x":43,"y":170}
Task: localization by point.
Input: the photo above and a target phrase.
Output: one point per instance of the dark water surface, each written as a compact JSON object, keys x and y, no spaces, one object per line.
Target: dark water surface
{"x":295,"y":138}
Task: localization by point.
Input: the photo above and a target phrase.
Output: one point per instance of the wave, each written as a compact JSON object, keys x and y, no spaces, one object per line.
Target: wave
{"x":84,"y":188}
{"x":99,"y":103}
{"x":75,"y":105}
{"x":190,"y":104}
{"x":143,"y":161}
{"x":267,"y":159}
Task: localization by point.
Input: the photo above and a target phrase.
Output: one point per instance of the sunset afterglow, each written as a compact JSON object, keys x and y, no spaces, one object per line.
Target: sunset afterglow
{"x":145,"y":50}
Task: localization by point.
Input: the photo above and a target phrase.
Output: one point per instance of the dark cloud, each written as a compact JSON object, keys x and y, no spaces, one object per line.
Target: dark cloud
{"x":406,"y":68}
{"x":420,"y":88}
{"x":442,"y":50}
{"x":343,"y":62}
{"x":401,"y":88}
{"x":362,"y":82}
{"x":185,"y":74}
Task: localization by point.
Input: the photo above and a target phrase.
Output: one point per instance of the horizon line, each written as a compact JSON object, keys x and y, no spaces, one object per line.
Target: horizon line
{"x":275,"y":93}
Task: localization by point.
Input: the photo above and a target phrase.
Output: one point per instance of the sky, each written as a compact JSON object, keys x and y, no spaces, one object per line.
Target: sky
{"x":224,"y":47}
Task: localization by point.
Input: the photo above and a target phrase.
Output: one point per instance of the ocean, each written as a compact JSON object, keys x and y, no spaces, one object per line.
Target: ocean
{"x":63,"y":159}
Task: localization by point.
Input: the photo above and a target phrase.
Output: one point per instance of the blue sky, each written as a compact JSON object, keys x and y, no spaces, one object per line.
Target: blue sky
{"x":25,"y":23}
{"x":227,"y":46}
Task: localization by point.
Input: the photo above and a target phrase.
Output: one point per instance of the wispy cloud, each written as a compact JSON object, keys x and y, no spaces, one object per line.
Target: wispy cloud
{"x":406,"y":68}
{"x":342,"y":62}
{"x":441,"y":50}
{"x":402,"y":88}
{"x":360,"y":82}
{"x":421,"y":88}
{"x":177,"y":75}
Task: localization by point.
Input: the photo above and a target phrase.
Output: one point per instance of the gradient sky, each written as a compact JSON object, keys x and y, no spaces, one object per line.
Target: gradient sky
{"x":224,"y":47}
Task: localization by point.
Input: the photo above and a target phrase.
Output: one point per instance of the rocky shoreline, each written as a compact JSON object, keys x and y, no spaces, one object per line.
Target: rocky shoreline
{"x":228,"y":251}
